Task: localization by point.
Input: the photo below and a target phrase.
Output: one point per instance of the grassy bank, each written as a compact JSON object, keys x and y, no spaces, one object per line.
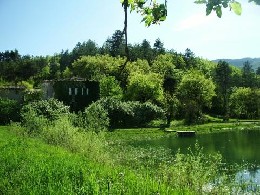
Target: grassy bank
{"x":30,"y":166}
{"x":153,"y":133}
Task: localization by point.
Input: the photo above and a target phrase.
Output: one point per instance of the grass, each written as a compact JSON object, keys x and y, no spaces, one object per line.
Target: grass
{"x":52,"y":164}
{"x":29,"y":166}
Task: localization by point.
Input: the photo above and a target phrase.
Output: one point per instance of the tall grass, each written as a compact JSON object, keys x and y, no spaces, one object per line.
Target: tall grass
{"x":32,"y":167}
{"x":75,"y":161}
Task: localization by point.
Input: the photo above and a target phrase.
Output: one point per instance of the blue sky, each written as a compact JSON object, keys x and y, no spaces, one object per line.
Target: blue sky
{"x":45,"y":27}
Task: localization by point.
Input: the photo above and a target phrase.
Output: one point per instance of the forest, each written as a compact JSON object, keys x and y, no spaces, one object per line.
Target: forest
{"x":182,"y":85}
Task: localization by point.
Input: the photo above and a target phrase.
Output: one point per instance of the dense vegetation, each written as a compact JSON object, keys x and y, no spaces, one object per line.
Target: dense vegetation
{"x":183,"y":85}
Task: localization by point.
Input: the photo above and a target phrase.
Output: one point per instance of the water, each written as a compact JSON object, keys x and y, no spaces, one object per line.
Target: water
{"x":240,"y":147}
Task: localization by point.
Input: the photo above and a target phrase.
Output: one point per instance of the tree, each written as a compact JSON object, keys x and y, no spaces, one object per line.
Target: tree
{"x":223,"y":80}
{"x":145,"y":87}
{"x":195,"y":91}
{"x":158,"y":47}
{"x":258,"y":71}
{"x":88,"y":48}
{"x":154,"y":12}
{"x":146,"y":51}
{"x":189,"y":58}
{"x":110,"y":87}
{"x":115,"y":45}
{"x":65,"y":60}
{"x":95,"y":67}
{"x":248,"y":75}
{"x":245,"y":103}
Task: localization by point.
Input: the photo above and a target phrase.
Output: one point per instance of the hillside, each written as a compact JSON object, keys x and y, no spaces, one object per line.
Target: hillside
{"x":255,"y":62}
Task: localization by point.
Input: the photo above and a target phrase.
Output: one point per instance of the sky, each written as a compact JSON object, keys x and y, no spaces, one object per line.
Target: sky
{"x":46,"y":27}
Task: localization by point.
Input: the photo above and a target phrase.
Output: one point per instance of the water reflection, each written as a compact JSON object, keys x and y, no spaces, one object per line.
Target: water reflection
{"x":241,"y":147}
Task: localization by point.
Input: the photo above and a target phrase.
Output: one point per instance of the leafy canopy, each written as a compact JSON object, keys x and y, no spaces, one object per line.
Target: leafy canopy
{"x":154,"y":12}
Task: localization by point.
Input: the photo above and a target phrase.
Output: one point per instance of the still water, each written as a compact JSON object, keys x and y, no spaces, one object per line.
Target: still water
{"x":236,"y":147}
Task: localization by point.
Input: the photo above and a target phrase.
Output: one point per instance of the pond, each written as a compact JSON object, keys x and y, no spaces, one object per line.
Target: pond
{"x":236,"y":147}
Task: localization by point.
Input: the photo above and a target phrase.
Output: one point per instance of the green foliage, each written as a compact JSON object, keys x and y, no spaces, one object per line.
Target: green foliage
{"x":129,"y":114}
{"x":140,"y":66}
{"x":95,"y":118}
{"x":223,"y":81}
{"x":193,"y":170}
{"x":109,"y":87}
{"x":32,"y":95}
{"x":245,"y":103}
{"x":152,"y":12}
{"x":95,"y":67}
{"x":50,"y":109}
{"x":33,"y":123}
{"x":9,"y":111}
{"x":195,"y":91}
{"x":164,"y":65}
{"x":145,"y":87}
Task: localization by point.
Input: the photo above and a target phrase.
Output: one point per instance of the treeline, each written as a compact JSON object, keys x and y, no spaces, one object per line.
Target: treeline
{"x":185,"y":86}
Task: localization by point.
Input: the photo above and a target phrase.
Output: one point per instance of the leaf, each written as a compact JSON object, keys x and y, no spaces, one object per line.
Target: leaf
{"x":257,"y":2}
{"x":208,"y":9}
{"x":236,"y":7}
{"x":219,"y":11}
{"x":200,"y":1}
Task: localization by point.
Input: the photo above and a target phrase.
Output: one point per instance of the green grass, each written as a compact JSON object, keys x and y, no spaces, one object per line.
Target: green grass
{"x":31,"y":166}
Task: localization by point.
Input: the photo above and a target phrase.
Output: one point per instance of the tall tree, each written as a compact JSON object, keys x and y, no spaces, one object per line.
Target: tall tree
{"x":147,"y":51}
{"x":189,"y":58}
{"x":158,"y":47}
{"x":115,"y":45}
{"x":223,"y":80}
{"x":248,"y":75}
{"x":195,"y":91}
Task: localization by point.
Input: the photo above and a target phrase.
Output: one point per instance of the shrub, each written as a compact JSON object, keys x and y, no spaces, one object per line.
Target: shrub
{"x":50,"y":109}
{"x":144,"y":113}
{"x":33,"y":122}
{"x":36,"y":115}
{"x":131,"y":113}
{"x":96,"y":118}
{"x":9,"y":111}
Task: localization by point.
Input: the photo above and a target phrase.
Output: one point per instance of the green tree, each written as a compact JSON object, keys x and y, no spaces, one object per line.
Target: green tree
{"x":258,"y":71}
{"x":88,"y":48}
{"x":158,"y":47}
{"x":110,"y":87}
{"x":223,"y":80}
{"x":145,"y":87}
{"x":195,"y":91}
{"x":245,"y":103}
{"x":190,"y":59}
{"x":248,"y":75}
{"x":146,"y":51}
{"x":115,"y":46}
{"x":95,"y":67}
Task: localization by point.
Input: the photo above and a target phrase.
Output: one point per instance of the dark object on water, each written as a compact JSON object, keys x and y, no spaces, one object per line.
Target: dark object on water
{"x":186,"y":133}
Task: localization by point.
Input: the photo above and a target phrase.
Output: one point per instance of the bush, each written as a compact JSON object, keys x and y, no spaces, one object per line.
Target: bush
{"x":131,"y":113}
{"x":50,"y":109}
{"x":144,"y":113}
{"x":9,"y":111}
{"x":95,"y":118}
{"x":33,"y":122}
{"x":36,"y":115}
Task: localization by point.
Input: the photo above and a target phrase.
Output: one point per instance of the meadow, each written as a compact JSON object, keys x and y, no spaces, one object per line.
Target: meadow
{"x":103,"y":163}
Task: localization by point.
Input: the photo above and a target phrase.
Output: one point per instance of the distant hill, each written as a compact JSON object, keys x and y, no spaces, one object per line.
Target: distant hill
{"x":255,"y":62}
